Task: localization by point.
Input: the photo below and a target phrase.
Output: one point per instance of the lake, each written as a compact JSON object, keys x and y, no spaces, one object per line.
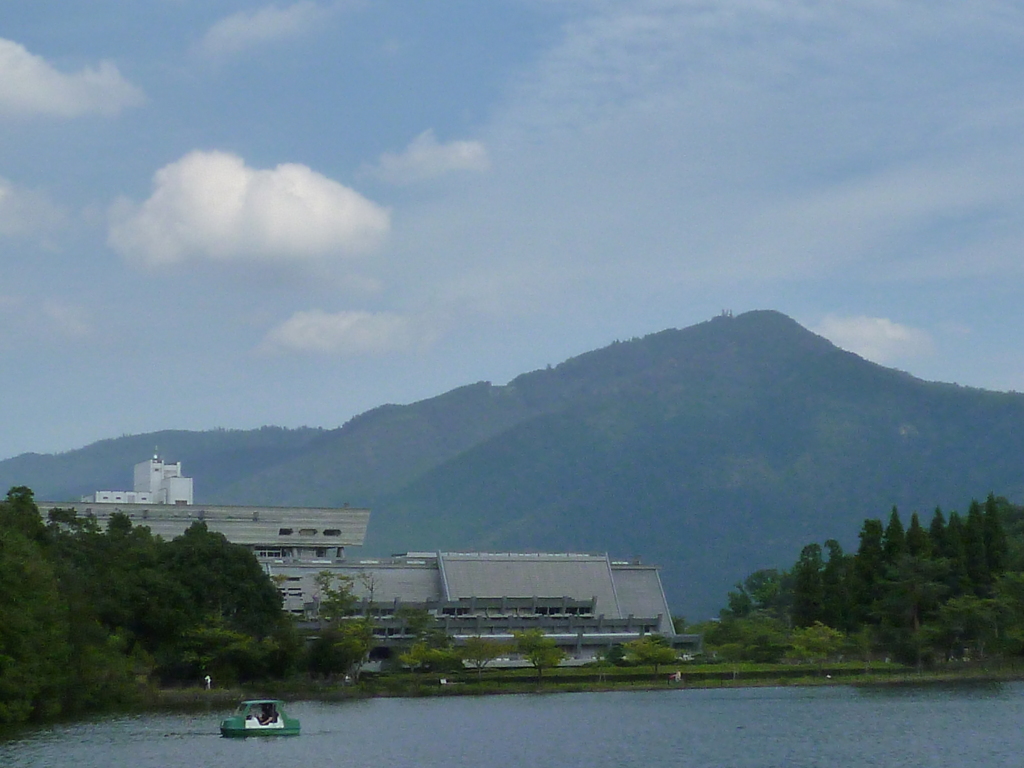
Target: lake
{"x":830,"y":727}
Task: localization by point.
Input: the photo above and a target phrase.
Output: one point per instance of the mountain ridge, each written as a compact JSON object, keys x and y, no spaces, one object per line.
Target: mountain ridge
{"x":712,"y":450}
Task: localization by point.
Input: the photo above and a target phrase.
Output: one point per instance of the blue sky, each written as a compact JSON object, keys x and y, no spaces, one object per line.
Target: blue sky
{"x":231,"y":214}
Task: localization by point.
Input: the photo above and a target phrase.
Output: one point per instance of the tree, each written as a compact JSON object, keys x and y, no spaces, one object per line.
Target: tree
{"x":650,"y":650}
{"x":426,"y":657}
{"x":762,"y":593}
{"x":33,"y":631}
{"x":894,"y":540}
{"x":761,"y":640}
{"x":225,"y":654}
{"x":816,"y":642}
{"x":223,"y":579}
{"x":996,"y":546}
{"x":919,"y":544}
{"x":835,"y":585}
{"x":937,"y":533}
{"x":968,"y":622}
{"x":480,"y":651}
{"x":334,"y":603}
{"x":19,"y":512}
{"x":958,"y":579}
{"x":415,"y":621}
{"x":868,"y":569}
{"x":974,"y":548}
{"x":341,"y":649}
{"x":1009,"y":596}
{"x":538,"y":649}
{"x":808,"y":587}
{"x":912,"y":591}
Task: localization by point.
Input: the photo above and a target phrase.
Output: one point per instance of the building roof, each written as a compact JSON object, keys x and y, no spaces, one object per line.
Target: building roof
{"x":581,"y":577}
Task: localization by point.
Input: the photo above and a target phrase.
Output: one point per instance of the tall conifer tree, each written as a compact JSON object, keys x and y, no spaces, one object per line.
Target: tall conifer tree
{"x":894,"y":541}
{"x":954,"y":551}
{"x":869,"y":568}
{"x":974,"y":547}
{"x":937,"y":533}
{"x":808,"y":588}
{"x":835,"y":588}
{"x":996,"y":547}
{"x":919,"y":543}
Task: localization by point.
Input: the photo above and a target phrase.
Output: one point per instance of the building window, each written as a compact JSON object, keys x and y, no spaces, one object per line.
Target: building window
{"x":332,"y":532}
{"x":284,"y":532}
{"x":307,"y":532}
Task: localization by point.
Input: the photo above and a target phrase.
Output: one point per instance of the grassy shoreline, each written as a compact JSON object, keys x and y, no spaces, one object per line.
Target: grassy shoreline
{"x":414,"y":685}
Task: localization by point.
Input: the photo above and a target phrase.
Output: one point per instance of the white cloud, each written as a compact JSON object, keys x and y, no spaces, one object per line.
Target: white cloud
{"x":210,"y":205}
{"x":875,"y":338}
{"x":425,"y":158}
{"x":344,"y":333}
{"x":29,"y":85}
{"x":247,"y":29}
{"x":25,"y":212}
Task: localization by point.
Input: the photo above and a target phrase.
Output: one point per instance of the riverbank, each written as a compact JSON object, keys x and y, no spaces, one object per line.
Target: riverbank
{"x":498,"y":682}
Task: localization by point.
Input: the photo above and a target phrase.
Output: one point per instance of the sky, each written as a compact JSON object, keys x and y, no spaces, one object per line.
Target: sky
{"x":233,"y":214}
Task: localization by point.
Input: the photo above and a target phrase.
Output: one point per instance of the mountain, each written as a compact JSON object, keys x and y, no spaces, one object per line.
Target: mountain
{"x":713,"y":450}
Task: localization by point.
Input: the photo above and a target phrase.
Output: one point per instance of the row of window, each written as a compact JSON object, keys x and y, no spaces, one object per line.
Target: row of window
{"x":309,"y":531}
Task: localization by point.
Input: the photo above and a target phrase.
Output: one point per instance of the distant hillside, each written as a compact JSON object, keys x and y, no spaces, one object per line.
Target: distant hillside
{"x":712,"y":450}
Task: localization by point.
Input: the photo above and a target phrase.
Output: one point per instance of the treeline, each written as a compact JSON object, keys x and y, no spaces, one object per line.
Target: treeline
{"x":89,"y":617}
{"x":953,"y":590}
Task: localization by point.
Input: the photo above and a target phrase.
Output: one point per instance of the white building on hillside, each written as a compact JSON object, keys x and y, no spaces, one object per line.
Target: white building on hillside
{"x":156,"y":482}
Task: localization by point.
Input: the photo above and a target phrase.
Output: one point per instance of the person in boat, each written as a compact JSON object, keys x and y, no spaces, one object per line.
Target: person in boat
{"x":268,"y":714}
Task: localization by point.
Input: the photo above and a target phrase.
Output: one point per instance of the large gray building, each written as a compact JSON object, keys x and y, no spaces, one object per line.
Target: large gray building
{"x":586,"y":602}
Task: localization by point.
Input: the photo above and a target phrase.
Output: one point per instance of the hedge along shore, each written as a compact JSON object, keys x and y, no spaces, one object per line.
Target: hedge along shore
{"x":496,"y":682}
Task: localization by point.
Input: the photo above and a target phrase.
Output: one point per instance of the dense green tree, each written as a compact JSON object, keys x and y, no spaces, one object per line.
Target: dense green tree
{"x":913,"y":591}
{"x":974,"y":548}
{"x":335,"y":599}
{"x":762,"y":593}
{"x":894,"y":540}
{"x":1008,"y":593}
{"x":835,"y":583}
{"x":653,"y":650}
{"x":539,"y":650}
{"x":34,"y":645}
{"x":950,"y":591}
{"x":919,"y":543}
{"x":815,"y":643}
{"x":954,"y":550}
{"x":967,"y":625}
{"x":996,"y":546}
{"x":937,"y":533}
{"x":808,"y":587}
{"x":212,"y":648}
{"x":223,"y":579}
{"x":868,"y":570}
{"x":761,"y":639}
{"x":341,"y":649}
{"x":20,"y":513}
{"x":431,"y":657}
{"x":479,"y":651}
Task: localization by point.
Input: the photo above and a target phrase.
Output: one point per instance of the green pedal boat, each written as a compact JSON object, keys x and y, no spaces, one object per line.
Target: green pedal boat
{"x":260,"y":717}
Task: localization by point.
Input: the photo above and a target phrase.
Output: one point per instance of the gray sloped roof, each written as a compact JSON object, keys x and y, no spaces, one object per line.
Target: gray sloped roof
{"x":408,"y":583}
{"x":640,"y":594}
{"x":581,"y":577}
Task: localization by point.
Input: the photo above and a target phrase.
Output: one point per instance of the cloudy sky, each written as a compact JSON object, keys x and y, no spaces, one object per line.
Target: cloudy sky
{"x":230,"y":214}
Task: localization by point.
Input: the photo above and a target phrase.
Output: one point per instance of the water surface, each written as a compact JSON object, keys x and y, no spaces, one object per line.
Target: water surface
{"x":763,"y":727}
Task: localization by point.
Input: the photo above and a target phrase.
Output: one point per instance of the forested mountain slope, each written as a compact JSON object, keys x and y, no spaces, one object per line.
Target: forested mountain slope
{"x":713,"y":450}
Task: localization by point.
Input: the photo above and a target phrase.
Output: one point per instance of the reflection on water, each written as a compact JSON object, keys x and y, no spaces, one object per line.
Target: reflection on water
{"x":934,"y":726}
